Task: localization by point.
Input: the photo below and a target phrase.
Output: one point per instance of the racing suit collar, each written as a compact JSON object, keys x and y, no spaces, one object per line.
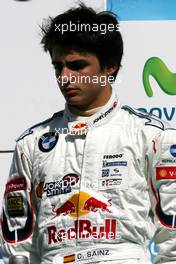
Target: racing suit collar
{"x":101,"y":116}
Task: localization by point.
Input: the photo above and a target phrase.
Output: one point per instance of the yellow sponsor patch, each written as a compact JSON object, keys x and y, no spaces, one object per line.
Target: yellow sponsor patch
{"x":15,"y":206}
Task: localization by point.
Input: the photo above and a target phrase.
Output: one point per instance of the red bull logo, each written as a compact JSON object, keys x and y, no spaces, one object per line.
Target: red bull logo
{"x":80,"y":125}
{"x":92,"y":204}
{"x":79,"y":129}
{"x":65,"y":209}
{"x":80,"y":205}
{"x":83,"y":229}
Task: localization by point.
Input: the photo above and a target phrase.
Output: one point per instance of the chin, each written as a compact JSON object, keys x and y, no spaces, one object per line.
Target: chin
{"x":73,"y":101}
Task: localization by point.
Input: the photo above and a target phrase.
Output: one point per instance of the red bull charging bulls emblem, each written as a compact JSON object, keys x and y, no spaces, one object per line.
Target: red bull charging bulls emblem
{"x":77,"y":206}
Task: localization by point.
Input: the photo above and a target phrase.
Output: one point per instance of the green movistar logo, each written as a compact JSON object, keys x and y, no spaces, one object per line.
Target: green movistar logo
{"x":156,"y":68}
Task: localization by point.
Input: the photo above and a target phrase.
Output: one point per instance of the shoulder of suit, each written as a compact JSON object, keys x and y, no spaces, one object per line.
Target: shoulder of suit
{"x":30,"y":130}
{"x":147,"y":118}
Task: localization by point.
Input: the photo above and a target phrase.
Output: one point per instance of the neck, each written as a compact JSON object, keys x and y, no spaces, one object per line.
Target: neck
{"x":89,"y":112}
{"x":92,"y":108}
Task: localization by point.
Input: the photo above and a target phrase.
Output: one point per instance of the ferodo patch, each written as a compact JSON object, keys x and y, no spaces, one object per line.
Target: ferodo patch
{"x":15,"y":206}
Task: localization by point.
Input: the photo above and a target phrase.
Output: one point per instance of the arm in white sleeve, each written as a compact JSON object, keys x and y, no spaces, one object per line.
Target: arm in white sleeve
{"x":162,"y":182}
{"x":18,"y":211}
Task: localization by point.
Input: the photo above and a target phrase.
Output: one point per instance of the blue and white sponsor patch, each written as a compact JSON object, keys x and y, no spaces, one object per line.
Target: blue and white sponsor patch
{"x":48,"y":141}
{"x":114,"y":163}
{"x":114,"y":171}
{"x":173,"y":150}
{"x":168,"y":154}
{"x":105,"y":173}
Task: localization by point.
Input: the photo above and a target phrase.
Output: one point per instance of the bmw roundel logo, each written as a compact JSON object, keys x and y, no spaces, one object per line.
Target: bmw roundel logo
{"x":173,"y":150}
{"x":48,"y":141}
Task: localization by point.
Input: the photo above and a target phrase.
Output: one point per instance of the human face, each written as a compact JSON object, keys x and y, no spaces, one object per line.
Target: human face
{"x":85,"y":93}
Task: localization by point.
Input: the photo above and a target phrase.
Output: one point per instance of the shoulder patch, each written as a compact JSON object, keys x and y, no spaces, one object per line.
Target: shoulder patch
{"x":152,"y":120}
{"x":30,"y":130}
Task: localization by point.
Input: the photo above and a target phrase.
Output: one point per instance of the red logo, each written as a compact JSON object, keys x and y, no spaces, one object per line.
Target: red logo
{"x":79,"y":126}
{"x":67,"y":208}
{"x":71,"y":179}
{"x":92,"y":204}
{"x":77,"y":206}
{"x":79,"y":129}
{"x":163,"y":173}
{"x":81,"y":204}
{"x":83,"y":229}
{"x":18,"y":184}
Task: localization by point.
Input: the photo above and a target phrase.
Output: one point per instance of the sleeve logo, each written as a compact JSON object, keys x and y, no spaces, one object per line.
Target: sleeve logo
{"x":163,"y":173}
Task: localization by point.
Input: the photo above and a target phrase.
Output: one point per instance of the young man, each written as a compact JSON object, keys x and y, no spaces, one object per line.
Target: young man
{"x":87,"y":185}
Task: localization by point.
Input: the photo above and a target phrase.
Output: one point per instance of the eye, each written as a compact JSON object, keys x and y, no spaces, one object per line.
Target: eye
{"x":76,"y":65}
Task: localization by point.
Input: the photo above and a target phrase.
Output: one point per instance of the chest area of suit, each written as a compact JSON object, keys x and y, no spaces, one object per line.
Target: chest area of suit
{"x":104,"y":159}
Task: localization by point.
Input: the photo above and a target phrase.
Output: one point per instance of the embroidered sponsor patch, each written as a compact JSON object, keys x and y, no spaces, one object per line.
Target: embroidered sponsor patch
{"x":70,"y":258}
{"x":114,"y":156}
{"x":163,"y":173}
{"x":61,"y":187}
{"x":79,"y":129}
{"x":87,"y":255}
{"x":115,"y":169}
{"x":110,"y":183}
{"x":18,"y":184}
{"x":168,"y":154}
{"x":105,"y":173}
{"x":173,"y":150}
{"x":103,"y":115}
{"x":92,"y":254}
{"x":15,"y":206}
{"x":87,"y":230}
{"x":114,"y":163}
{"x":48,"y":141}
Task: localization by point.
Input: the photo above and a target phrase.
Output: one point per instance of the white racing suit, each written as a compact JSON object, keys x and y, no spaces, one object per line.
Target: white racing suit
{"x":92,"y":189}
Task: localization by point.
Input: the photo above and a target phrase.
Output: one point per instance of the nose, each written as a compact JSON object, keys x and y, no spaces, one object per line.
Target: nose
{"x":65,"y":74}
{"x":65,"y":71}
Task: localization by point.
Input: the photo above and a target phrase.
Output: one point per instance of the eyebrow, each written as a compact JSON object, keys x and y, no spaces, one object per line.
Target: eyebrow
{"x":70,"y":62}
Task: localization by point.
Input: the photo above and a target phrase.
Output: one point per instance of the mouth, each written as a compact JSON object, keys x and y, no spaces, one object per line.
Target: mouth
{"x":70,"y":90}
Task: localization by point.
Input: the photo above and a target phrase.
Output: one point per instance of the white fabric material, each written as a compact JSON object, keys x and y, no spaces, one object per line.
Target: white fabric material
{"x":112,"y":187}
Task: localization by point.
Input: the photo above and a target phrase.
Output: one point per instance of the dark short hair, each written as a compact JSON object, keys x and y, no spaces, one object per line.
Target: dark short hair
{"x":107,"y":47}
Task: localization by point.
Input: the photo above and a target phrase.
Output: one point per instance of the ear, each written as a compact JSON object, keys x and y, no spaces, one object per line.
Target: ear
{"x":111,"y":69}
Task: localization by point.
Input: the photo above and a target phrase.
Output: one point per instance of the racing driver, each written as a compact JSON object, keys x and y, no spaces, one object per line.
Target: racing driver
{"x":96,"y":181}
